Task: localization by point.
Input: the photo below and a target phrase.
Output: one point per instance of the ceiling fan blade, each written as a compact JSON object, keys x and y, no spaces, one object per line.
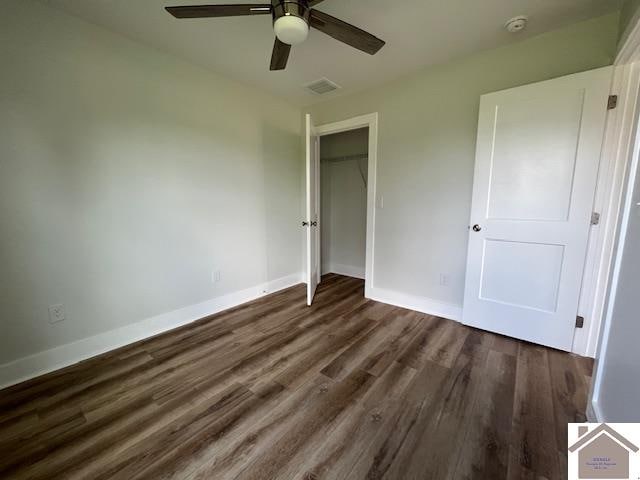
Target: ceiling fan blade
{"x":313,"y":3}
{"x":202,"y":11}
{"x":345,"y":32}
{"x":280,"y":55}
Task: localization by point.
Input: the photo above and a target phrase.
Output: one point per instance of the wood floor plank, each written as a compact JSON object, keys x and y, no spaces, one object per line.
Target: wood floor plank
{"x":401,"y":429}
{"x":421,"y":346}
{"x":356,"y":353}
{"x":306,"y":430}
{"x":441,"y":431}
{"x":327,"y":347}
{"x":505,"y":345}
{"x":182,"y":437}
{"x":533,"y":440}
{"x":402,"y":325}
{"x":570,"y":393}
{"x":343,"y":446}
{"x":243,"y":445}
{"x":348,"y":388}
{"x":485,"y":451}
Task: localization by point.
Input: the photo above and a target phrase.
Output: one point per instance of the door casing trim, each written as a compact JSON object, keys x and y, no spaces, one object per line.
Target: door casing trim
{"x":363,"y":121}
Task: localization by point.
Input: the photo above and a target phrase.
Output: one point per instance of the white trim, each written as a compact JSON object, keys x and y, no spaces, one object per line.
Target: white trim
{"x":65,"y":355}
{"x":417,"y":303}
{"x":616,"y":147}
{"x":347,"y":270}
{"x":363,"y":121}
{"x":629,"y":49}
{"x":624,"y":140}
{"x":632,"y":146}
{"x":354,"y":123}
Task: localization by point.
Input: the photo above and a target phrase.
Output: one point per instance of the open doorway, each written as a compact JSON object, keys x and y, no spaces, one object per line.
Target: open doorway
{"x":343,"y":202}
{"x":349,"y":149}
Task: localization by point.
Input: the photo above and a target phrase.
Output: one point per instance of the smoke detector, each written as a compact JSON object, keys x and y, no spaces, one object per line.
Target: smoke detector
{"x":516,"y":24}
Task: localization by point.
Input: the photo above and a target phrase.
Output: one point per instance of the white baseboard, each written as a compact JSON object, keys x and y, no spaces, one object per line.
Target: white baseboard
{"x":347,"y":270}
{"x":68,"y":354}
{"x":417,"y":303}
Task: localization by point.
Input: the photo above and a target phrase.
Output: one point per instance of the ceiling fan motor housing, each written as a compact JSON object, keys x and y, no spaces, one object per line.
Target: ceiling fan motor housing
{"x":291,"y":20}
{"x":283,"y":8}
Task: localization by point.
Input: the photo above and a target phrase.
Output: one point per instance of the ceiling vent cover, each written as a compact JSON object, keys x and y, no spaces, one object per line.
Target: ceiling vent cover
{"x":322,"y":86}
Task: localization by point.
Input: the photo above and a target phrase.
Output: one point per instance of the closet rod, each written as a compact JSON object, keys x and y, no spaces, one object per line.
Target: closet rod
{"x":361,"y":156}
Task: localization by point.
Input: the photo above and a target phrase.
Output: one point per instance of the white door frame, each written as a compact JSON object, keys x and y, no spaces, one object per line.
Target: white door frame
{"x":364,"y":121}
{"x":617,"y":151}
{"x":623,"y":147}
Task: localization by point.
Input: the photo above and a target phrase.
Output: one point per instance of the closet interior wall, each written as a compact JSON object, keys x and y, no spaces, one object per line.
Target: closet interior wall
{"x":343,"y":186}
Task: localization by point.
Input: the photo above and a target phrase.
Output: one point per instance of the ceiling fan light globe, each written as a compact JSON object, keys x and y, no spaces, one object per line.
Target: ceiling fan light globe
{"x":291,"y":30}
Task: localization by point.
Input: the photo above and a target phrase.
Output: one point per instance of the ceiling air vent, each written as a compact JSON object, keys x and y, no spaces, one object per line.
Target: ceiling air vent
{"x":322,"y":86}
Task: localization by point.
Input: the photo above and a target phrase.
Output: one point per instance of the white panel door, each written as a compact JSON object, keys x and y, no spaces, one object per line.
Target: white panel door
{"x":313,"y":209}
{"x":537,"y":158}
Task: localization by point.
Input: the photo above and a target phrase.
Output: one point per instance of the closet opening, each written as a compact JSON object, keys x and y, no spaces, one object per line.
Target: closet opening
{"x":344,"y":163}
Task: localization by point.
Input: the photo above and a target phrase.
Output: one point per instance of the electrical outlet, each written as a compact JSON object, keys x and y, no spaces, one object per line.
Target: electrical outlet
{"x":215,"y":276}
{"x":444,"y":279}
{"x":56,"y":313}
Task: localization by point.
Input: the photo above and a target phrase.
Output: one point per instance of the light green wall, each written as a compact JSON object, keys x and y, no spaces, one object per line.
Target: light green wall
{"x":126,"y":177}
{"x":427,"y":135}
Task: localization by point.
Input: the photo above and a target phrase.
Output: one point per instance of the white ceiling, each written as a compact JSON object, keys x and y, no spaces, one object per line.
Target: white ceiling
{"x":418,"y":33}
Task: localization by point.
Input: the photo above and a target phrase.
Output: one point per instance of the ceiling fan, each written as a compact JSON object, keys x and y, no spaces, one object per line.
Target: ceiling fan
{"x":291,"y":22}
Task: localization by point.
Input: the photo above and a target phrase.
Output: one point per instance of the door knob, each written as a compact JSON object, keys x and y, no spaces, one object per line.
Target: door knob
{"x":477,"y":228}
{"x":314,"y":224}
{"x":305,"y":224}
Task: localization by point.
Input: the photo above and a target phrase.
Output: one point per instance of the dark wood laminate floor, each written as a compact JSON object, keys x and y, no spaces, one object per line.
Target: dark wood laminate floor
{"x":347,"y":389}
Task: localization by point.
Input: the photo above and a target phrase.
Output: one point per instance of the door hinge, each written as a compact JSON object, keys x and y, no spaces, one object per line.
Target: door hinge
{"x":595,"y":218}
{"x":579,"y":321}
{"x":612,"y":102}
